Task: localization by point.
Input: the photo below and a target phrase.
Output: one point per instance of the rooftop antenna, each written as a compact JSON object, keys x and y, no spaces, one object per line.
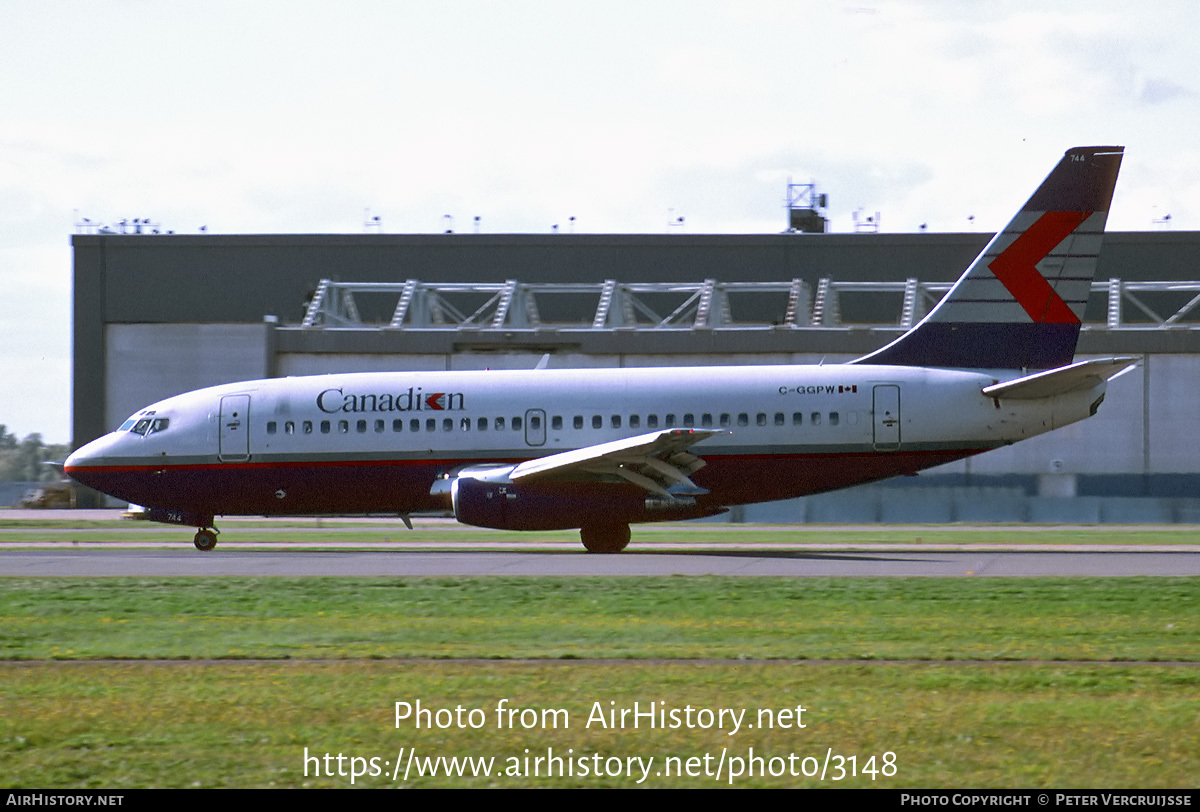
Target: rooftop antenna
{"x":867,"y":225}
{"x":447,"y":224}
{"x":803,"y":204}
{"x":85,"y":226}
{"x":673,"y":221}
{"x":370,"y":222}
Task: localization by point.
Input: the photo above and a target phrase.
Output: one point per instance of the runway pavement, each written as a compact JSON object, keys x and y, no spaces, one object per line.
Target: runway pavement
{"x":187,"y":561}
{"x":269,"y":548}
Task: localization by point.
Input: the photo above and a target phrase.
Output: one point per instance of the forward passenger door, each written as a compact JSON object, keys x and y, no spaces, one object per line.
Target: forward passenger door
{"x":234,"y":442}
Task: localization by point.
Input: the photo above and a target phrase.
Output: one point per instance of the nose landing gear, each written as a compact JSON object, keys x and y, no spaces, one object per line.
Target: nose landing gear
{"x":206,"y":539}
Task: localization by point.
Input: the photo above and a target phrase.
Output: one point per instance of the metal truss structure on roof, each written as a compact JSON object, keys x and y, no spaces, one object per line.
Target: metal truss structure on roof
{"x":708,"y":304}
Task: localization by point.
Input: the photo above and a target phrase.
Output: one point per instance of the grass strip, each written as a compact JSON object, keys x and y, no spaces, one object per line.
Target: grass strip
{"x":313,"y":532}
{"x":123,"y":725}
{"x":1091,"y":619}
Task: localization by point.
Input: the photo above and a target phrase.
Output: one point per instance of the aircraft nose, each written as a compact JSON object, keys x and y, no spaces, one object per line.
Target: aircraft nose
{"x":81,"y":462}
{"x":75,"y":459}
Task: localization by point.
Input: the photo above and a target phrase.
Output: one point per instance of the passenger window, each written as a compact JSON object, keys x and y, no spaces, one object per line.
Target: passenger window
{"x":431,"y":424}
{"x":635,"y":421}
{"x":689,"y":419}
{"x":556,"y":422}
{"x":779,"y":418}
{"x":482,"y":424}
{"x":577,"y":421}
{"x":499,"y":424}
{"x":414,"y":424}
{"x":706,"y":420}
{"x":465,"y":424}
{"x":361,"y":426}
{"x":535,"y":423}
{"x":816,"y":418}
{"x":616,"y":421}
{"x":272,"y":427}
{"x":797,"y":418}
{"x":597,"y":421}
{"x":670,"y":421}
{"x":289,"y":427}
{"x":743,"y":419}
{"x":447,"y":424}
{"x":325,"y":426}
{"x":652,"y":421}
{"x":516,"y":424}
{"x":308,"y":427}
{"x":343,"y":427}
{"x":833,"y":418}
{"x":725,"y":421}
{"x":380,"y":426}
{"x":398,"y":424}
{"x":761,"y":419}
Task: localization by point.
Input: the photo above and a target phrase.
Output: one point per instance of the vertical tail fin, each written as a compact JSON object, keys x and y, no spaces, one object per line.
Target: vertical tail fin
{"x":1020,"y":303}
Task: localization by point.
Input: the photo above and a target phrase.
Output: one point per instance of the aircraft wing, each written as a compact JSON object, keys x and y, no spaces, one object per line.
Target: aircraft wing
{"x":659,"y":462}
{"x":1055,"y":382}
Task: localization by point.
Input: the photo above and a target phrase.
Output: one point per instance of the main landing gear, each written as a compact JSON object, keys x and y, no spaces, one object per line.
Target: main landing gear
{"x":206,"y":539}
{"x":605,"y":538}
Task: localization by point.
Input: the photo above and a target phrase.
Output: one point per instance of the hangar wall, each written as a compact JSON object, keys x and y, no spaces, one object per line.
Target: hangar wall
{"x":158,"y":315}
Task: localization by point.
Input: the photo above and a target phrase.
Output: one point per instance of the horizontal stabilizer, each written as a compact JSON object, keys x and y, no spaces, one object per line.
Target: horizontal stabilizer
{"x":1055,"y":382}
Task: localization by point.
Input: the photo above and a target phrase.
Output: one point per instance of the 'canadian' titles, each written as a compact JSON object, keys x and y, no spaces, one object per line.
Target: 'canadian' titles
{"x":332,"y":401}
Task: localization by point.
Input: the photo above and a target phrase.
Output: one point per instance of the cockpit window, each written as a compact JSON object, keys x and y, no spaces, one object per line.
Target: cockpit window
{"x":146,"y":425}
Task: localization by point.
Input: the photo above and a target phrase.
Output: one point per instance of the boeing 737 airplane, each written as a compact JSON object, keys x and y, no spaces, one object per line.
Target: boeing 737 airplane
{"x":991,"y":364}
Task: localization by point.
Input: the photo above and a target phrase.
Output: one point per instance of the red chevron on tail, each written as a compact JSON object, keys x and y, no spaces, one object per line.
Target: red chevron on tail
{"x":1017,"y":269}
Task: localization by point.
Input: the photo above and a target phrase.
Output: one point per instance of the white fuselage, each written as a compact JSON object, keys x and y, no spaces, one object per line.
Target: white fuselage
{"x":376,"y":442}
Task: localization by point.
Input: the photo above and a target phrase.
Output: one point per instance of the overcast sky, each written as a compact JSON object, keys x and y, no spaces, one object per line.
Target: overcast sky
{"x":295,"y":117}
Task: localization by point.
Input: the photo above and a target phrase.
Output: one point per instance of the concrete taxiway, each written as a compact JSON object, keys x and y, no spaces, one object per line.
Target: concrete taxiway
{"x":743,"y":562}
{"x":373,"y":547}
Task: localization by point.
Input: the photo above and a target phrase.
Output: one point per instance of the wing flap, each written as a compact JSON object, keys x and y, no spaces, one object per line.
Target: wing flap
{"x":659,"y":462}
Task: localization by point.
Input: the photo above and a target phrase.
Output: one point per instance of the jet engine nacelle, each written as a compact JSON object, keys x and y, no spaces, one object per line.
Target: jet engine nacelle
{"x":559,"y":505}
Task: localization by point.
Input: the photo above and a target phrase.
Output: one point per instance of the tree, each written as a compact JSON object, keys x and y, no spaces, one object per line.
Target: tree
{"x":22,"y":460}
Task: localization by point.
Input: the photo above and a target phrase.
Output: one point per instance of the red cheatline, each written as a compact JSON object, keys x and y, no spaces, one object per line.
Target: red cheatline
{"x":1016,"y":267}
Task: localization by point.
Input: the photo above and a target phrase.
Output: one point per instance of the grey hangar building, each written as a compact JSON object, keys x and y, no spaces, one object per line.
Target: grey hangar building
{"x":156,"y":315}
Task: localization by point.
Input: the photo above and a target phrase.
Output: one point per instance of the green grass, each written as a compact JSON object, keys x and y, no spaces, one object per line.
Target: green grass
{"x":133,"y":682}
{"x":672,"y":617}
{"x":318,"y":532}
{"x":119,"y":725}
